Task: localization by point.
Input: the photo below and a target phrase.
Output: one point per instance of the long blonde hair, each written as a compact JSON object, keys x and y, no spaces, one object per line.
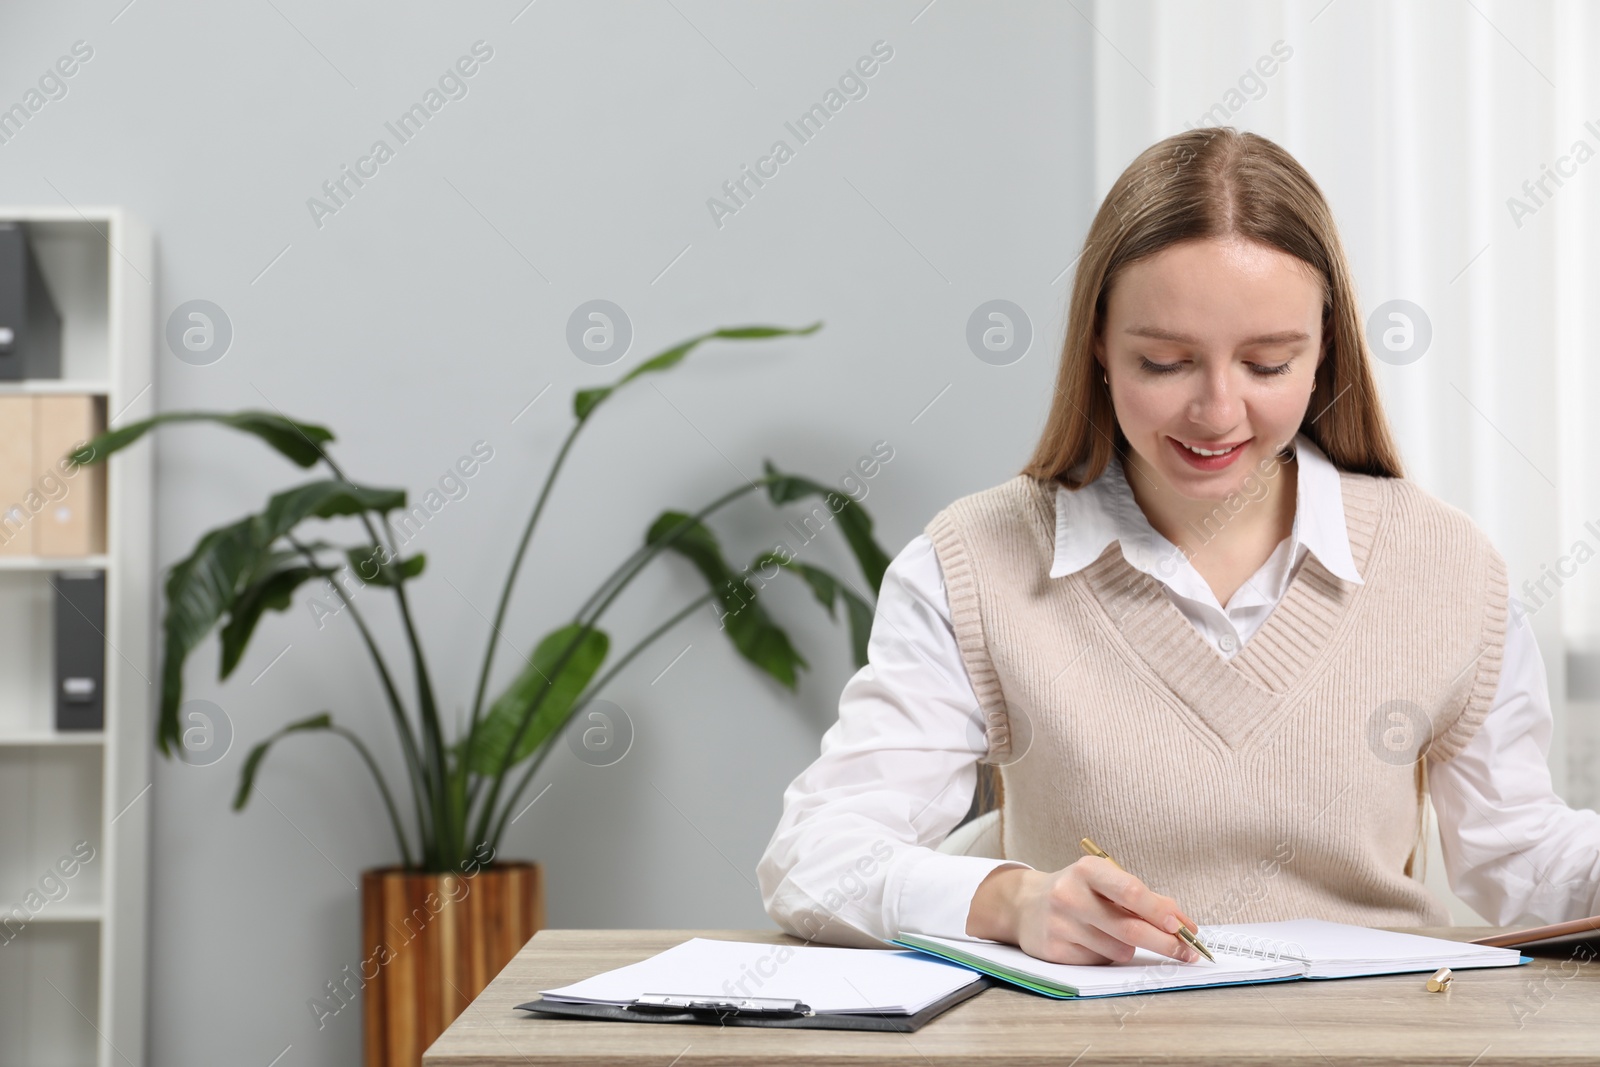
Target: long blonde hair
{"x":1215,"y":182}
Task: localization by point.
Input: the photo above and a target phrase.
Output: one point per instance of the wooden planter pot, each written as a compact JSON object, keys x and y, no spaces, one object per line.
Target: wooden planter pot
{"x":435,"y":940}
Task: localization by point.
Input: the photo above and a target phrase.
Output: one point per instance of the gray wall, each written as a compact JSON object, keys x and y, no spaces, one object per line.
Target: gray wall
{"x":426,"y":313}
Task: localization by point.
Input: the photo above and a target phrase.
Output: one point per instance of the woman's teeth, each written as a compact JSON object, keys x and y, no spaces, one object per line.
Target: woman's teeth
{"x":1207,"y":451}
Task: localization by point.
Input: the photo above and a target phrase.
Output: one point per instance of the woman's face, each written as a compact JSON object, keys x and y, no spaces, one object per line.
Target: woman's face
{"x":1211,"y":344}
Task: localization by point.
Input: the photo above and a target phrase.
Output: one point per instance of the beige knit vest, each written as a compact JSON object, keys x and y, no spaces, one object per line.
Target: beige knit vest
{"x":1280,"y":784}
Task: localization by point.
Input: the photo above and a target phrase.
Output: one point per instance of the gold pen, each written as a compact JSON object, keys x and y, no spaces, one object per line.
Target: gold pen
{"x":1183,"y":931}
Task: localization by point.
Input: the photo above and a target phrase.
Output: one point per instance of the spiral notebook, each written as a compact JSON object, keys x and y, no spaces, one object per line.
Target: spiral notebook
{"x":1246,"y":953}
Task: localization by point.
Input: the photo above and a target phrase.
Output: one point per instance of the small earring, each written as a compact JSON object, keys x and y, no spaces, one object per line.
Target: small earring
{"x":1103,"y":378}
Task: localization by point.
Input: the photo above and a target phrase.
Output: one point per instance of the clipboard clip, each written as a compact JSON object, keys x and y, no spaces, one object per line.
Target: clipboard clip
{"x":766,"y":1006}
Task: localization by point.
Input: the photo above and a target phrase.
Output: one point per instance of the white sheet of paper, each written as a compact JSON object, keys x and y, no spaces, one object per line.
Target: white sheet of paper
{"x":827,"y":978}
{"x":1336,"y":950}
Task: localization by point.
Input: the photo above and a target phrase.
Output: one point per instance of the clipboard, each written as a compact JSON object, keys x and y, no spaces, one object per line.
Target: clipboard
{"x":752,"y":1011}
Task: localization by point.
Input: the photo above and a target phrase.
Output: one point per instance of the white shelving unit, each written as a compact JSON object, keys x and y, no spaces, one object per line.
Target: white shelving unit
{"x":72,"y":978}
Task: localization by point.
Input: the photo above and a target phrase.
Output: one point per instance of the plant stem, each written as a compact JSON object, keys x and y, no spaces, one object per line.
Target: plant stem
{"x":579,"y":704}
{"x":383,"y":787}
{"x":427,"y":710}
{"x":629,"y":568}
{"x":511,"y":581}
{"x":408,"y":744}
{"x":505,"y":601}
{"x":681,"y":350}
{"x":448,"y":833}
{"x":452,"y":817}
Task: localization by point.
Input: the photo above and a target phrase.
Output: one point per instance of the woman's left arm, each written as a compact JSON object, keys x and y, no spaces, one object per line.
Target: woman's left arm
{"x":1513,"y":849}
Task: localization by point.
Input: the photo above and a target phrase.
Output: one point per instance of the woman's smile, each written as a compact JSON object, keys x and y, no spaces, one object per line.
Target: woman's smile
{"x":1209,"y":457}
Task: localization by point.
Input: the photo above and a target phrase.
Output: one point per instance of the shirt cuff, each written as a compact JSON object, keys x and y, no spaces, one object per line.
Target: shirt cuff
{"x":936,"y":896}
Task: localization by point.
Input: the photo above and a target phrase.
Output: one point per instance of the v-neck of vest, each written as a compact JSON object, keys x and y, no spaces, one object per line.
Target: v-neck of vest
{"x":1232,"y":695}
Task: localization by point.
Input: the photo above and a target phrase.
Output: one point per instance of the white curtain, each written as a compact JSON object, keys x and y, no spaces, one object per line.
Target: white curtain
{"x":1446,"y":135}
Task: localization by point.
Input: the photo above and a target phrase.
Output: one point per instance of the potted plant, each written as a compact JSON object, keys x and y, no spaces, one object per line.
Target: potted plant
{"x":442,"y":921}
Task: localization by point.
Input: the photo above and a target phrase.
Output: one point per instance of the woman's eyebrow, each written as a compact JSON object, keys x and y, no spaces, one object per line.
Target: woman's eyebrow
{"x":1159,"y":334}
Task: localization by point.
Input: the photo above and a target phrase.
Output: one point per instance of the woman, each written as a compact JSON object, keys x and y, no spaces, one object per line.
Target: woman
{"x":1209,"y":626}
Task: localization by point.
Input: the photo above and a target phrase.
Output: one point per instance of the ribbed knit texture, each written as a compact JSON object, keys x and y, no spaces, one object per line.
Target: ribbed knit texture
{"x":1276,"y":785}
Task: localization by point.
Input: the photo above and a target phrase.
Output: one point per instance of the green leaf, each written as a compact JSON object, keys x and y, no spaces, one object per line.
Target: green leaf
{"x":749,"y":627}
{"x":273,"y":591}
{"x":861,"y":614}
{"x":368,"y":563}
{"x":586,"y":400}
{"x":829,"y":589}
{"x":300,"y":442}
{"x":199,"y":589}
{"x":279,"y":558}
{"x":252,"y":763}
{"x":226,"y":563}
{"x":499,"y":726}
{"x":269,"y":584}
{"x":326,"y":499}
{"x":854,"y":521}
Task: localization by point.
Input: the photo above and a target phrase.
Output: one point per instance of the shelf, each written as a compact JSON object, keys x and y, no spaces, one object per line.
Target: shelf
{"x":65,"y":737}
{"x":53,"y":563}
{"x":70,"y":913}
{"x":51,"y":386}
{"x":73,"y":981}
{"x":48,"y":987}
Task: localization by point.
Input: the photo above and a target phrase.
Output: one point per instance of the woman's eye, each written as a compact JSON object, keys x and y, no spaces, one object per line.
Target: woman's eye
{"x":1262,"y":370}
{"x":1157,"y":368}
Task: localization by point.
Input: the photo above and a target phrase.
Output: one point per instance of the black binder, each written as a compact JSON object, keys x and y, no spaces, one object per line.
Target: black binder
{"x":80,"y":650}
{"x":717,"y":1012}
{"x":30,"y":325}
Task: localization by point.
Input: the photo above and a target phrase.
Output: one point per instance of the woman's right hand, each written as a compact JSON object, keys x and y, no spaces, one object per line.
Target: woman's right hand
{"x":1090,"y":912}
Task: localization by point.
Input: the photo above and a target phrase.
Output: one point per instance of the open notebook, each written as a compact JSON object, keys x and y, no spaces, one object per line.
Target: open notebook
{"x":1246,"y":952}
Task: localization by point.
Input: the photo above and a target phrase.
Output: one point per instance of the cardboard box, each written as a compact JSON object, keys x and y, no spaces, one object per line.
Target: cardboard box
{"x":16,"y":475}
{"x":72,"y":519}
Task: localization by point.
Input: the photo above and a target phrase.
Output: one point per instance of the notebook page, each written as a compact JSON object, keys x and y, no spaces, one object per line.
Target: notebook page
{"x":1147,"y":971}
{"x":1340,"y":950}
{"x":827,"y":978}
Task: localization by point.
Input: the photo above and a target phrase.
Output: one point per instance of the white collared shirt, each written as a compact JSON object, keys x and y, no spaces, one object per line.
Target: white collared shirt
{"x":896,"y":773}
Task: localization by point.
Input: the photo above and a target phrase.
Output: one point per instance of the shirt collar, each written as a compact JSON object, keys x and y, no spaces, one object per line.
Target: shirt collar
{"x":1089,"y":519}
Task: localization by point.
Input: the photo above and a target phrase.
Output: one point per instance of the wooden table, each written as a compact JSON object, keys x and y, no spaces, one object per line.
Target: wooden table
{"x":1545,"y":1012}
